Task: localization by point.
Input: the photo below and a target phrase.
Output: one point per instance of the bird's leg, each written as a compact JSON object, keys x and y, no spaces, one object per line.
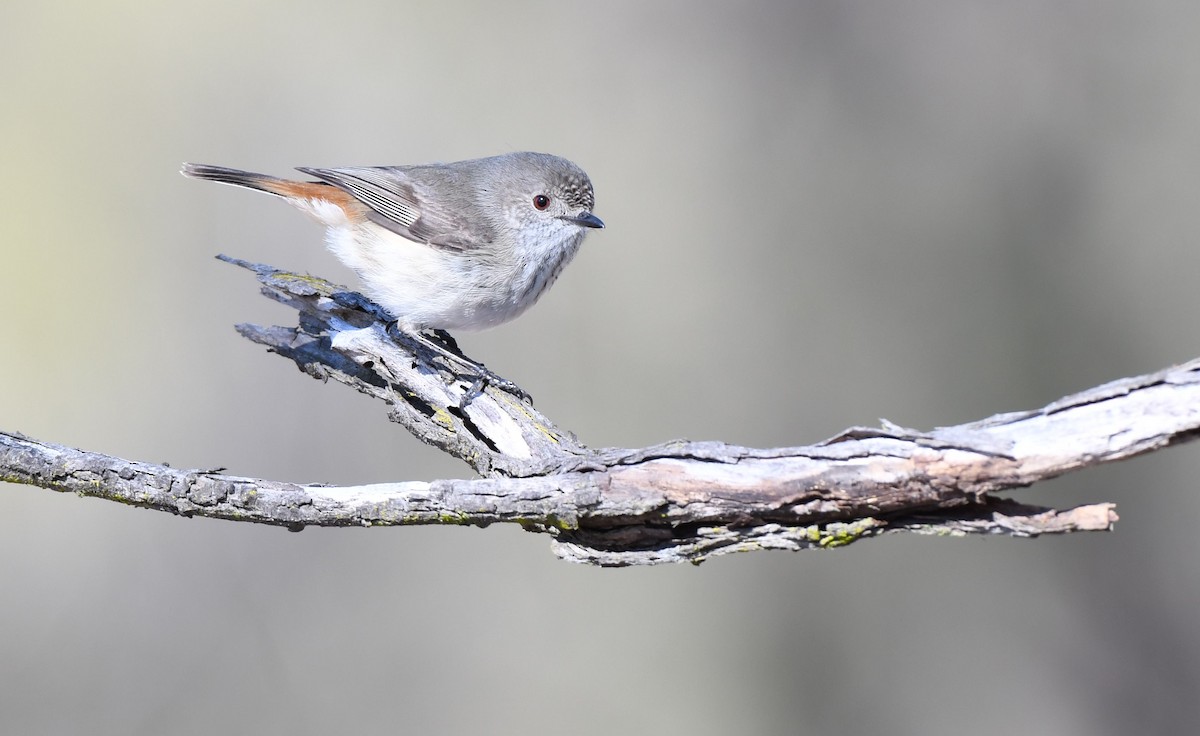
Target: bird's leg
{"x":446,"y":339}
{"x":484,"y":376}
{"x":445,"y":346}
{"x":439,"y":342}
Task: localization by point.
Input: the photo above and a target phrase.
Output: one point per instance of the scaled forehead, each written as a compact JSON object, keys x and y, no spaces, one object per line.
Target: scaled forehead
{"x":576,"y":190}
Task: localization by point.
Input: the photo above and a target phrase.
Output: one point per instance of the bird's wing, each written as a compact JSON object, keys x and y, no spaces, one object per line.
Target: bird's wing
{"x":401,"y":204}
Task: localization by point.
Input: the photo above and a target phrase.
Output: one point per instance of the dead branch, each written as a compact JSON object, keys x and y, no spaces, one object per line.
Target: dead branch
{"x":682,"y":501}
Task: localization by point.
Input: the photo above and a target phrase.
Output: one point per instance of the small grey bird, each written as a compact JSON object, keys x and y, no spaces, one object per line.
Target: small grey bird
{"x":465,"y":245}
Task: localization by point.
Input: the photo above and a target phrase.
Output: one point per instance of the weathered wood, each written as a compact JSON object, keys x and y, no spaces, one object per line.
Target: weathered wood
{"x":641,"y":513}
{"x":681,"y":501}
{"x":494,"y":431}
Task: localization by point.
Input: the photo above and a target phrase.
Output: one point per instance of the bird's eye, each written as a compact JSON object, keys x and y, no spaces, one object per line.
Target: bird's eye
{"x":541,"y":201}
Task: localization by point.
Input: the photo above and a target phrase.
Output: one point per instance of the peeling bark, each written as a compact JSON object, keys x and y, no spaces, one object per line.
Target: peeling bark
{"x":681,"y":501}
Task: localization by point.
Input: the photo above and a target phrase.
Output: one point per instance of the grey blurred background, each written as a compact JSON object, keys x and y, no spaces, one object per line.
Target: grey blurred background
{"x":820,"y":213}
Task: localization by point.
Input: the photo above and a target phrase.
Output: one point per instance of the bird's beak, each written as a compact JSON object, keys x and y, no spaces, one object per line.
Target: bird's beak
{"x":585,"y":219}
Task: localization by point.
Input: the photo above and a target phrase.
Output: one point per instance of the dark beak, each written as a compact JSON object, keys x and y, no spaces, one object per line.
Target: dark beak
{"x":585,"y":219}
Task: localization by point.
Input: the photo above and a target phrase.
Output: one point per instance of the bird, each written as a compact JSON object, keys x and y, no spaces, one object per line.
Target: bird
{"x":466,"y":245}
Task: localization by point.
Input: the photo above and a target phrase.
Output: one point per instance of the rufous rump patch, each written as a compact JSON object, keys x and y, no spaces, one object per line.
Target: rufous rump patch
{"x":313,"y":190}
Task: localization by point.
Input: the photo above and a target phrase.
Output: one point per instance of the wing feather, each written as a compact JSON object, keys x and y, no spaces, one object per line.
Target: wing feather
{"x":400,"y":203}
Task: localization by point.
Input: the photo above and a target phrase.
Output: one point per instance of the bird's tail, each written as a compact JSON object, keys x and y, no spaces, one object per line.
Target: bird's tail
{"x":313,"y":197}
{"x":237,"y":177}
